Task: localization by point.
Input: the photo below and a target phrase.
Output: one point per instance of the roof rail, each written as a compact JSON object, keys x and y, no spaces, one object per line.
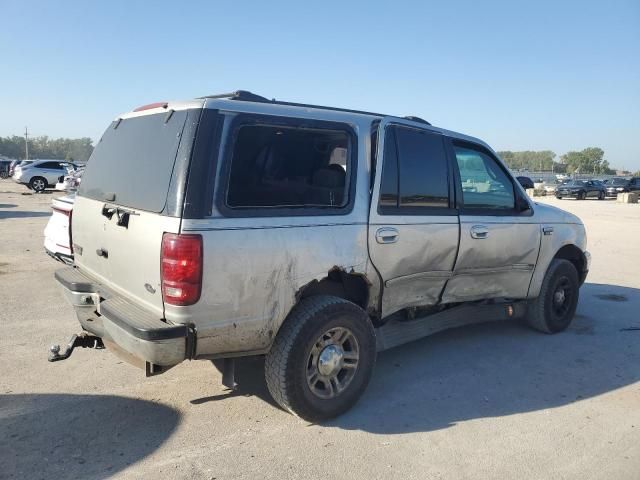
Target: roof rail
{"x":243,"y":95}
{"x":417,"y":119}
{"x":246,"y":96}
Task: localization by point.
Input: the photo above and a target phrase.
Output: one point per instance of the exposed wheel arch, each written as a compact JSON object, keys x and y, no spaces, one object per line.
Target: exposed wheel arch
{"x":339,"y":283}
{"x":576,"y":256}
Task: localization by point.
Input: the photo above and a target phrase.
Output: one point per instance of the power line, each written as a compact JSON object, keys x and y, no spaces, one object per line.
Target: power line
{"x":26,"y":143}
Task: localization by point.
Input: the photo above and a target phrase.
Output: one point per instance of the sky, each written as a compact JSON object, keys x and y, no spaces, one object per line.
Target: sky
{"x":557,"y":75}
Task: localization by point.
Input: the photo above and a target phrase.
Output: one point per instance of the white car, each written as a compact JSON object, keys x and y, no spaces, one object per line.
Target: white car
{"x":42,"y":174}
{"x":57,"y":233}
{"x":71,"y":181}
{"x":549,"y":188}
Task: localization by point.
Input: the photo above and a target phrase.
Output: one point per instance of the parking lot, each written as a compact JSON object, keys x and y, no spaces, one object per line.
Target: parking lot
{"x":489,"y":401}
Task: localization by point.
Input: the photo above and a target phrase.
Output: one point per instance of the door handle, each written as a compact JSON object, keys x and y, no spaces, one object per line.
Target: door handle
{"x":479,"y":232}
{"x":387,"y":235}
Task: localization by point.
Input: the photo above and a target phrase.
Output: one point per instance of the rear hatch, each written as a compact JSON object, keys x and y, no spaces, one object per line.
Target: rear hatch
{"x":121,"y":213}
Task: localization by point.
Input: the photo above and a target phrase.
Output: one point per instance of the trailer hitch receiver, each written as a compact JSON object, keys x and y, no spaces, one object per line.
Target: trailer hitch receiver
{"x":78,"y":340}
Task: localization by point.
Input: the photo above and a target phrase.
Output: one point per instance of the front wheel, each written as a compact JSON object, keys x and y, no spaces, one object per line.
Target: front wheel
{"x":601,"y":196}
{"x":322,"y":358}
{"x":555,"y":307}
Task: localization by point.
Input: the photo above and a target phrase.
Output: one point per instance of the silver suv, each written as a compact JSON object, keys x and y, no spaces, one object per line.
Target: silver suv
{"x":233,"y":225}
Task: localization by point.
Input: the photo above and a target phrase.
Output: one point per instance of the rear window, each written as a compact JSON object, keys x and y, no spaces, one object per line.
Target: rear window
{"x":134,"y":161}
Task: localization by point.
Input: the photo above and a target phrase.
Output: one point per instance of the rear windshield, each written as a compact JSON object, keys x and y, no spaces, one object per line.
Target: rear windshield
{"x":134,"y":161}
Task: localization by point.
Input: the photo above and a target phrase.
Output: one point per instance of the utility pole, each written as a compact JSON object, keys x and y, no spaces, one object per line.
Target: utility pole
{"x":26,"y":143}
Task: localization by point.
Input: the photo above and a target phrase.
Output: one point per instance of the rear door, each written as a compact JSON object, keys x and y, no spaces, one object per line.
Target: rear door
{"x":120,"y":211}
{"x":413,"y":227}
{"x":499,"y":243}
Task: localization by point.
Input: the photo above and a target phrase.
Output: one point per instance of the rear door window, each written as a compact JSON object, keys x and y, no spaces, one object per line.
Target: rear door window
{"x":134,"y":161}
{"x":415,"y":176}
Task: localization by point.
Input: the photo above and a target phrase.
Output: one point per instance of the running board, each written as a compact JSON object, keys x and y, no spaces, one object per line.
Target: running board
{"x":395,"y":333}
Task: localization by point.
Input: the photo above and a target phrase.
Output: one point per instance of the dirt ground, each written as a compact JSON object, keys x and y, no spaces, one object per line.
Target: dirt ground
{"x":489,"y":401}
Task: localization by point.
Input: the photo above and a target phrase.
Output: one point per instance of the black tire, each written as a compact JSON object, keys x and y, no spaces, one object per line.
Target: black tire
{"x":581,"y":196}
{"x":38,"y":184}
{"x":546,"y":313}
{"x":601,"y":196}
{"x":558,"y":197}
{"x":290,"y":361}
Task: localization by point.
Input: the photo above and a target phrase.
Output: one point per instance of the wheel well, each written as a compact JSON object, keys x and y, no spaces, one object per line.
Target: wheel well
{"x":338,"y":283}
{"x":574,"y":255}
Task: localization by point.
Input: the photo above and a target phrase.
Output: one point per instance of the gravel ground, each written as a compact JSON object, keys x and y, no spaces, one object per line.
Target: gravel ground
{"x":488,"y":401}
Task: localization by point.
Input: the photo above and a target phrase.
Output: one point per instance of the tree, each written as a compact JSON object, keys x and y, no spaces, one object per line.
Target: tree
{"x":589,"y":160}
{"x":76,"y":149}
{"x":529,"y":160}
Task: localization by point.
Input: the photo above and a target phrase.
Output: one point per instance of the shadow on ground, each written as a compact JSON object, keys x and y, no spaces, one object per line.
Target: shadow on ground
{"x":22,"y":214}
{"x":78,"y":436}
{"x":491,"y":370}
{"x":8,"y":205}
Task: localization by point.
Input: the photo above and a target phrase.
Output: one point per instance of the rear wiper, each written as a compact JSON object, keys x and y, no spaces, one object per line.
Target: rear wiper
{"x":122,"y":214}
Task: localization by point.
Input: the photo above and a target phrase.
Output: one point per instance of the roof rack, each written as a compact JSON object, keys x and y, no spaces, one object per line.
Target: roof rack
{"x":246,"y":96}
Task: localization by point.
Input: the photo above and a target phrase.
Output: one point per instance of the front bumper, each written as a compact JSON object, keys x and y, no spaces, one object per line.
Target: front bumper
{"x":132,"y":332}
{"x":567,"y":194}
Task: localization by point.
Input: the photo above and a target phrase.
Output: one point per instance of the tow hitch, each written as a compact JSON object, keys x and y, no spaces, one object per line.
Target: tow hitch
{"x":78,"y":340}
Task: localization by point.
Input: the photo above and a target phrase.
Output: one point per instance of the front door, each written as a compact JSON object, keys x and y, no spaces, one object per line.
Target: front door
{"x":499,"y":242}
{"x":413,"y":227}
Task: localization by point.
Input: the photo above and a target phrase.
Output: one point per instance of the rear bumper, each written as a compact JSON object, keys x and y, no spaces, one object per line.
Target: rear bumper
{"x":131,"y":331}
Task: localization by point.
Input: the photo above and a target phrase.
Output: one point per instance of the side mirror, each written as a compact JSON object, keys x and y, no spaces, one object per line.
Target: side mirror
{"x":522,"y":205}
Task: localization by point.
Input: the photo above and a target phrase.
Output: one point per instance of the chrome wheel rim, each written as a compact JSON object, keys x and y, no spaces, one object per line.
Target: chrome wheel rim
{"x":38,"y":185}
{"x":332,"y":362}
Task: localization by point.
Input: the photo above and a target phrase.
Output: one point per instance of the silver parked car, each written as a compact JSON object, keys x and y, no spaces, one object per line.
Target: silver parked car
{"x":39,"y":175}
{"x":314,"y":236}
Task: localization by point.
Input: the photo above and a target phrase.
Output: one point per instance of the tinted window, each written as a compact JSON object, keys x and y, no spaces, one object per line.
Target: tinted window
{"x":389,"y":181}
{"x":423,"y":169}
{"x":484,"y":184}
{"x":277,"y":166}
{"x":51,"y":165}
{"x":134,"y":160}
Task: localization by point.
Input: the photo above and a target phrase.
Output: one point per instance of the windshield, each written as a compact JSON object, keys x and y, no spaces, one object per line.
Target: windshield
{"x":575,"y":183}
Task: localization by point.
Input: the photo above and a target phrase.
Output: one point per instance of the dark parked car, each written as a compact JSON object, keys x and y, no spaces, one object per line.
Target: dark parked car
{"x":526,"y":182}
{"x":4,"y":168}
{"x":581,"y":189}
{"x":621,"y":185}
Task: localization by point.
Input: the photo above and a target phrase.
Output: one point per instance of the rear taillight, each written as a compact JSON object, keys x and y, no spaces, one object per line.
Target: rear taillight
{"x":181,"y":268}
{"x":66,"y":213}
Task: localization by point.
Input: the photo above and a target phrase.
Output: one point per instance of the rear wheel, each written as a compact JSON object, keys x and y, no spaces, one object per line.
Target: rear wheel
{"x":322,"y":358}
{"x":582,"y":195}
{"x":38,"y":184}
{"x":556,"y":305}
{"x":601,"y":196}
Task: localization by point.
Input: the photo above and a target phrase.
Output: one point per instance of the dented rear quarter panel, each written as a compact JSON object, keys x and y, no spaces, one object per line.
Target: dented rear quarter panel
{"x":254,"y":267}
